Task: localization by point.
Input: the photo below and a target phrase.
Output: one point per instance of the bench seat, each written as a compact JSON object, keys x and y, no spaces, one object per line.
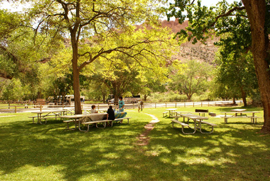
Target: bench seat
{"x":210,"y":124}
{"x":95,"y":122}
{"x":183,"y":125}
{"x":53,"y":117}
{"x":165,"y":113}
{"x":254,"y":118}
{"x":42,"y":117}
{"x":69,"y":121}
{"x":121,"y":119}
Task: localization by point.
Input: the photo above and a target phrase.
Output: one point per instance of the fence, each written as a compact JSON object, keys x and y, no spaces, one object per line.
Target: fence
{"x":7,"y":107}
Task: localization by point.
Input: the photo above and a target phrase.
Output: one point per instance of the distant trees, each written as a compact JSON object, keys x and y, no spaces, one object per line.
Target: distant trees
{"x":192,"y":78}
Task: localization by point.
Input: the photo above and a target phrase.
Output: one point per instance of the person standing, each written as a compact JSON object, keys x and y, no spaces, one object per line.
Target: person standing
{"x":121,"y":104}
{"x":141,"y":104}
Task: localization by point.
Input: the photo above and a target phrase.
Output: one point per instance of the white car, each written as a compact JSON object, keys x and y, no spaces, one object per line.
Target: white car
{"x":111,"y":101}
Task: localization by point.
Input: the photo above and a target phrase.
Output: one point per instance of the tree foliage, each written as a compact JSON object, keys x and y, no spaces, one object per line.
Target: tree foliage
{"x":193,"y":78}
{"x":205,"y":20}
{"x":96,"y":19}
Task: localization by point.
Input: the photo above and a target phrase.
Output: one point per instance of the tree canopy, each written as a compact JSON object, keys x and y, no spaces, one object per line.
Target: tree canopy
{"x":205,"y":21}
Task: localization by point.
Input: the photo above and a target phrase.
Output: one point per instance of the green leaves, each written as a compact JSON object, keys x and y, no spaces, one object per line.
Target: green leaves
{"x":191,"y":78}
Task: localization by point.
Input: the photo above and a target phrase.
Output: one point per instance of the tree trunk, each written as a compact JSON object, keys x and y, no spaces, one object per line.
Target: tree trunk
{"x":244,"y":97}
{"x":145,"y":97}
{"x":76,"y":88}
{"x":256,"y":10}
{"x":234,"y":100}
{"x":76,"y":75}
{"x":104,"y":98}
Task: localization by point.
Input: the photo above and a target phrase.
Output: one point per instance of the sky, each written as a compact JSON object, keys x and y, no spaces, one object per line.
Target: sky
{"x":214,"y":2}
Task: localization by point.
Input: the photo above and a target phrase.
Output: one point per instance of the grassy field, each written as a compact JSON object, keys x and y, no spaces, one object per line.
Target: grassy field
{"x":234,"y":151}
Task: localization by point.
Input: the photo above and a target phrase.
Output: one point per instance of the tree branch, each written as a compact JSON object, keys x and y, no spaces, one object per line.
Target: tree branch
{"x":226,"y":14}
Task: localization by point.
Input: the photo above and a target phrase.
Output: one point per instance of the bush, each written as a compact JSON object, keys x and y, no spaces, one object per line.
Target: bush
{"x":166,"y":97}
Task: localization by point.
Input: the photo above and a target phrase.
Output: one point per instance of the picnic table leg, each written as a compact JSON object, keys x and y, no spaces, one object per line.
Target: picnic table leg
{"x":67,"y":125}
{"x":195,"y":127}
{"x":225,"y":118}
{"x":39,"y":119}
{"x":208,"y":132}
{"x":82,"y":129}
{"x":252,"y":118}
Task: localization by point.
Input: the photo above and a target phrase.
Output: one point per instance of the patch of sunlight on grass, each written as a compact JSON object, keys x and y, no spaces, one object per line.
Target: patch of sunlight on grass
{"x":214,"y":150}
{"x":108,"y":174}
{"x":112,"y":156}
{"x":194,"y":160}
{"x":166,"y":160}
{"x":157,"y":150}
{"x":103,"y":162}
{"x":129,"y":157}
{"x":29,"y":172}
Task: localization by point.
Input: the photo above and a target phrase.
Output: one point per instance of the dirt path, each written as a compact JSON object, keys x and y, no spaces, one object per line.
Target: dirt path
{"x":143,"y":138}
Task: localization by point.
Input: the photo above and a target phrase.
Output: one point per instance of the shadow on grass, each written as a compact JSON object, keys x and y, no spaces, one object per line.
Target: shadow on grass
{"x":230,"y":153}
{"x":50,"y":151}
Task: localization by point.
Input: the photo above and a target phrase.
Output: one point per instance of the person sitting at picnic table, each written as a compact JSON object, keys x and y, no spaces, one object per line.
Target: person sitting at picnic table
{"x":121,"y":104}
{"x":93,"y":110}
{"x":110,"y":114}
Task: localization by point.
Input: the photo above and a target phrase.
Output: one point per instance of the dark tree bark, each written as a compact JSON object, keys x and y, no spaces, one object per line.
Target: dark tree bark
{"x":256,"y":10}
{"x":244,"y":96}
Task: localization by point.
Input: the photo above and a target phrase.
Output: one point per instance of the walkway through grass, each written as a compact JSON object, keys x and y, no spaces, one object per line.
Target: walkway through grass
{"x":235,"y":151}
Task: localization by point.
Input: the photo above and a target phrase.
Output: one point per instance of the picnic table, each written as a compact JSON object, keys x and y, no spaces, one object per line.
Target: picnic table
{"x":171,"y":112}
{"x":197,"y":123}
{"x":241,"y":113}
{"x":48,"y":113}
{"x":86,"y":119}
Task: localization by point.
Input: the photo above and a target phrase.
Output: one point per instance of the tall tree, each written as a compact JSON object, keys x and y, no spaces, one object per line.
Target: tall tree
{"x":95,"y":18}
{"x":236,"y":71}
{"x":204,"y":20}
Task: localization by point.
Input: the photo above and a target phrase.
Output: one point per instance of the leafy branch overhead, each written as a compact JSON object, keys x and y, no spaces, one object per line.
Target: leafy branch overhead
{"x":204,"y":21}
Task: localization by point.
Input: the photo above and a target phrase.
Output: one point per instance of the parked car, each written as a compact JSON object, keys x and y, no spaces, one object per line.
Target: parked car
{"x":111,"y":101}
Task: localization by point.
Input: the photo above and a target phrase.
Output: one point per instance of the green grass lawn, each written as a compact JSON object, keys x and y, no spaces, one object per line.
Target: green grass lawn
{"x":234,"y":151}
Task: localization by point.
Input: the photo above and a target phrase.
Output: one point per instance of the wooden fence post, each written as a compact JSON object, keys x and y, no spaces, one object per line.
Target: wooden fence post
{"x":15,"y":109}
{"x":193,"y":104}
{"x":176,"y":105}
{"x":201,"y":104}
{"x":40,"y":107}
